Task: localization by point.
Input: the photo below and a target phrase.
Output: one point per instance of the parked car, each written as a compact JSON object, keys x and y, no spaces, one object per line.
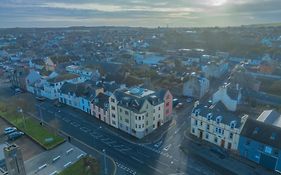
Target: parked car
{"x":9,"y":130}
{"x":15,"y":135}
{"x":157,"y":145}
{"x":40,"y":98}
{"x":57,"y":104}
{"x":179,"y":105}
{"x":18,"y":91}
{"x":175,"y":102}
{"x":189,"y":100}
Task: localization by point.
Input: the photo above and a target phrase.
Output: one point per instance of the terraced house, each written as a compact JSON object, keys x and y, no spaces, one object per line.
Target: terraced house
{"x":79,"y":95}
{"x":215,"y":124}
{"x":139,"y":111}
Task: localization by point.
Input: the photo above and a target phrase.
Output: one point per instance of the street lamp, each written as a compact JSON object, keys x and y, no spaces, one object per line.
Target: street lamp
{"x":22,"y":115}
{"x":104,"y":159}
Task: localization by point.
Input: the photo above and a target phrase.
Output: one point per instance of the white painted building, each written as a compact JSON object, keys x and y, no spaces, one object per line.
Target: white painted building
{"x":229,"y":96}
{"x":215,"y":124}
{"x":196,"y":86}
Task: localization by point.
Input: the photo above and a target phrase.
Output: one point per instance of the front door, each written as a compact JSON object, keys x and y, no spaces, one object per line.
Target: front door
{"x":201,"y":134}
{"x":222,"y":143}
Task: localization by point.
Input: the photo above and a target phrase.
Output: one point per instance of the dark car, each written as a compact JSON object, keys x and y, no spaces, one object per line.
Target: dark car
{"x":15,"y":135}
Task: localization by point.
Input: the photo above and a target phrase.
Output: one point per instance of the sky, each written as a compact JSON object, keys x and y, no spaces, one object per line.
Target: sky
{"x":137,"y":13}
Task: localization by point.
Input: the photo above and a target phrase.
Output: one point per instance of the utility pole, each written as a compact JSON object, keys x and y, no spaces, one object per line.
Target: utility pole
{"x":22,"y":115}
{"x":104,"y":159}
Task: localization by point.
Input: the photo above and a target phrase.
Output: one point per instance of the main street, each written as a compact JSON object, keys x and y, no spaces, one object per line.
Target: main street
{"x":135,"y":158}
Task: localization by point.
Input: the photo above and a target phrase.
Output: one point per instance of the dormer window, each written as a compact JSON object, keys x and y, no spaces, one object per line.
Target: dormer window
{"x":233,"y":124}
{"x":218,"y":119}
{"x":256,"y":131}
{"x":197,"y":111}
{"x":273,"y":136}
{"x":209,"y":116}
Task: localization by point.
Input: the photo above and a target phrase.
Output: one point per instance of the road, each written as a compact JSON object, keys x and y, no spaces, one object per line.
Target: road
{"x":130,"y":157}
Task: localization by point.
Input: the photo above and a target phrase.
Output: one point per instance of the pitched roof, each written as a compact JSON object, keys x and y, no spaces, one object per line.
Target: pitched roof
{"x":86,"y":89}
{"x":63,"y":77}
{"x":133,"y":100}
{"x":101,"y":101}
{"x":262,"y":132}
{"x":270,"y":117}
{"x":217,"y":110}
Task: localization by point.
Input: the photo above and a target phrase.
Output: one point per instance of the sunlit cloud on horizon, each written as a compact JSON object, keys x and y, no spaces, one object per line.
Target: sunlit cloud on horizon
{"x":17,"y":13}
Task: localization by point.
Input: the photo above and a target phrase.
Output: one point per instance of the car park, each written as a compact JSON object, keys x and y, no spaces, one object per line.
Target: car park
{"x":10,"y":130}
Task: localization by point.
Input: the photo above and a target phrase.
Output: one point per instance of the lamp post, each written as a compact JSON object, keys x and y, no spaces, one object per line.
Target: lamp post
{"x":22,"y":115}
{"x":104,"y":159}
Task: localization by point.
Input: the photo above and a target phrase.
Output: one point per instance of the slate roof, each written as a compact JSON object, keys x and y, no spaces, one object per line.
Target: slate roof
{"x":86,"y":89}
{"x":63,"y":77}
{"x":232,"y":93}
{"x":216,"y":110}
{"x":134,"y":102}
{"x":270,"y":117}
{"x":101,"y":101}
{"x":262,"y":132}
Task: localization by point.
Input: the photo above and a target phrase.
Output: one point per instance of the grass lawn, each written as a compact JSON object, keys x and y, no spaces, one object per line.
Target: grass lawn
{"x":84,"y":166}
{"x":30,"y":127}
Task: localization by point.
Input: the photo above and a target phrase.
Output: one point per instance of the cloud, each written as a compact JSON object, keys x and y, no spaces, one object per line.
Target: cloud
{"x":16,"y":13}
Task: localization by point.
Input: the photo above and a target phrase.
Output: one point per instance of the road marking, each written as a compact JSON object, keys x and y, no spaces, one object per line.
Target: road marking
{"x":130,"y":171}
{"x":136,"y":159}
{"x":155,"y":169}
{"x":162,"y":163}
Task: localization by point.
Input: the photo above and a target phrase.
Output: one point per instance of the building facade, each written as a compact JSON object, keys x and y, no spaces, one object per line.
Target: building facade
{"x":214,"y":124}
{"x":260,"y":140}
{"x":14,"y":160}
{"x":139,"y":111}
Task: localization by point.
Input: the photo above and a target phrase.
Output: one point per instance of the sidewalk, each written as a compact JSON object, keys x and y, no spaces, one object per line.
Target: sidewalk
{"x":151,"y":138}
{"x":232,"y":164}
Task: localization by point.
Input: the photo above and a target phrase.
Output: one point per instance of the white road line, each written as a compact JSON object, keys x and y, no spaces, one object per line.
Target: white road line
{"x":162,"y":163}
{"x":155,"y":169}
{"x":136,"y":159}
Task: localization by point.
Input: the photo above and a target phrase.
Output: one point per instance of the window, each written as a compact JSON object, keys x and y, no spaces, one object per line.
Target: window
{"x":193,"y":131}
{"x":143,"y":117}
{"x":121,"y":118}
{"x":113,"y":122}
{"x":233,"y":124}
{"x":231,"y":135}
{"x":159,"y":108}
{"x":136,"y":117}
{"x":195,"y":122}
{"x":139,"y":126}
{"x":167,"y":104}
{"x":142,"y":125}
{"x":136,"y":126}
{"x":127,"y":120}
{"x":209,"y":116}
{"x":248,"y":142}
{"x":146,"y":123}
{"x":153,"y":126}
{"x":113,"y":115}
{"x":139,"y":117}
{"x":216,"y":140}
{"x":112,"y":108}
{"x":113,"y":100}
{"x":120,"y":110}
{"x":201,"y":123}
{"x":153,"y":110}
{"x":126,"y":112}
{"x":229,"y":145}
{"x":153,"y":118}
{"x":207,"y":136}
{"x":208,"y":127}
{"x":158,"y":115}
